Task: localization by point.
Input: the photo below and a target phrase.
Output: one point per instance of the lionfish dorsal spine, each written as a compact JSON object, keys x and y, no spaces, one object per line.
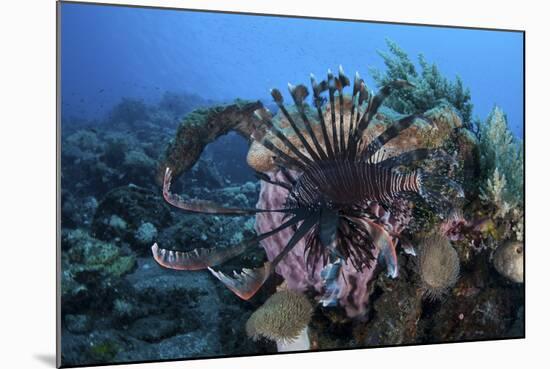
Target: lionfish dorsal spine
{"x":299,"y":93}
{"x":280,"y":103}
{"x":354,"y":101}
{"x":343,"y":81}
{"x":302,"y":161}
{"x":331,"y":89}
{"x":318,"y":102}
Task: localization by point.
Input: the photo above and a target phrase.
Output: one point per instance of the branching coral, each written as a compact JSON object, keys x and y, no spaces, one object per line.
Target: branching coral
{"x":431,"y":87}
{"x":501,"y":160}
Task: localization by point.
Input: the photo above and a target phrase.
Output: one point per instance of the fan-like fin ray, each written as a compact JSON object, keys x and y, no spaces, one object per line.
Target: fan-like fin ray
{"x":354,"y":101}
{"x":264,"y":177}
{"x":302,"y":230}
{"x":246,"y":283}
{"x":281,"y":155}
{"x":385,"y":244}
{"x":378,"y":99}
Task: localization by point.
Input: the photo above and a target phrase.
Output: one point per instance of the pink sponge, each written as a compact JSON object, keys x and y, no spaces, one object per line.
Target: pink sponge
{"x":353,"y":295}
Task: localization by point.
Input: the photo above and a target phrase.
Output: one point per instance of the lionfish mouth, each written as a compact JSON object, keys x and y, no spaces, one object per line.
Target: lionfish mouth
{"x":334,"y":180}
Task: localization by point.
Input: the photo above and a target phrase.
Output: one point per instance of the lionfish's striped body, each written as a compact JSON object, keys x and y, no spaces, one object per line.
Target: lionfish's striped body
{"x":355,"y":182}
{"x":339,"y":188}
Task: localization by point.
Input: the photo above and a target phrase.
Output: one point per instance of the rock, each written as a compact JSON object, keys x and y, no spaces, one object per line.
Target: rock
{"x":138,"y":167}
{"x":508,"y":261}
{"x":154,"y":329}
{"x":125,"y":311}
{"x":190,"y":345}
{"x":91,"y":271}
{"x":397,"y":308}
{"x":190,"y":297}
{"x":77,"y":211}
{"x":146,"y":233}
{"x":124,"y":210}
{"x":78,"y":323}
{"x":203,"y":231}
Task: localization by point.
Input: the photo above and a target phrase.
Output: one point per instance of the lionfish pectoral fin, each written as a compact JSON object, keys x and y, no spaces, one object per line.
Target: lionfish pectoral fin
{"x":386,"y":246}
{"x":203,"y":258}
{"x":196,"y":259}
{"x":246,"y":283}
{"x":408,"y":249}
{"x":330,"y":274}
{"x":389,"y":257}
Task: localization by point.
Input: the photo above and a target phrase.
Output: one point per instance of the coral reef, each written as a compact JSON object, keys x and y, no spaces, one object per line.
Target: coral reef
{"x":123,"y":212}
{"x":119,"y":306}
{"x":438,"y":265}
{"x":91,"y":271}
{"x":129,"y":112}
{"x":431,"y":88}
{"x":116,"y":305}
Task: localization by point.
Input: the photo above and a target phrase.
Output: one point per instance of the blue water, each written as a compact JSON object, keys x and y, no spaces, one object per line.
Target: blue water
{"x":112,"y":52}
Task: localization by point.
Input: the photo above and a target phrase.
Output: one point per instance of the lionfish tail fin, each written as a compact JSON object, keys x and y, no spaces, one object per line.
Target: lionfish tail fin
{"x":442,"y":194}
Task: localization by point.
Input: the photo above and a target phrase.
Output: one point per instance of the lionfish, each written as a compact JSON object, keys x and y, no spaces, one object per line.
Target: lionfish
{"x":339,"y":187}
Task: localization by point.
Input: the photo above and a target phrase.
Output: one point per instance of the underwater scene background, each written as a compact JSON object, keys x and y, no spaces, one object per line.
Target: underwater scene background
{"x":144,"y":89}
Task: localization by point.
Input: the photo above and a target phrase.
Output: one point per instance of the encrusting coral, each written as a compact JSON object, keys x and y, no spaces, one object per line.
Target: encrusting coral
{"x":431,"y":88}
{"x":283,"y":318}
{"x":203,"y":126}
